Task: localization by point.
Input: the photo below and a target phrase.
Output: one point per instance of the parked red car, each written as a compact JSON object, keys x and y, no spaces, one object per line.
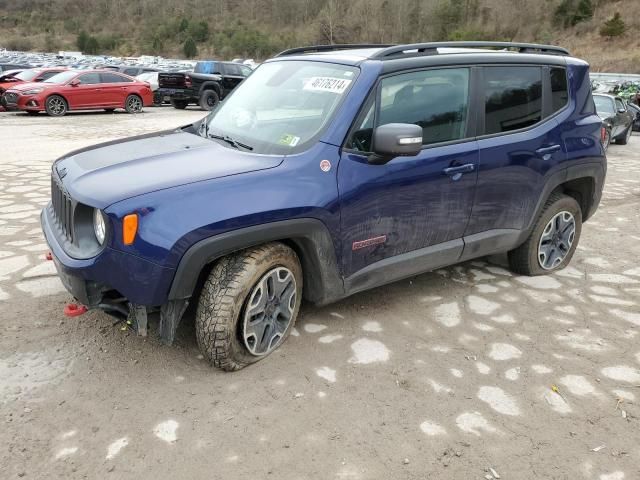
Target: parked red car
{"x":29,"y":75}
{"x":83,"y":90}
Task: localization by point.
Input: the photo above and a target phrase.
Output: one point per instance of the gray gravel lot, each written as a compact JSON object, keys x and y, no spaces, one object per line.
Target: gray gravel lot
{"x":444,"y":376}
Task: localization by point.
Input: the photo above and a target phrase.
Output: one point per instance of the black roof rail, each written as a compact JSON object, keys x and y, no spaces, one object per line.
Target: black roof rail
{"x":431,"y":48}
{"x":329,"y":48}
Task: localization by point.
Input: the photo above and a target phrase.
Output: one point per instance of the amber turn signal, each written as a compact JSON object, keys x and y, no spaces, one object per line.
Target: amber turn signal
{"x":129,"y":228}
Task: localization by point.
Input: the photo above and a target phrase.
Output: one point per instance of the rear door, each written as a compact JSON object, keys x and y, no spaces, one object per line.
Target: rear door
{"x":520,"y":145}
{"x":114,"y":88}
{"x":232,"y":76}
{"x":417,"y":204}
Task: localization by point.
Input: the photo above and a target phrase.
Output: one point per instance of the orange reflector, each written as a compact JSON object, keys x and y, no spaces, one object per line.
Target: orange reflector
{"x":129,"y":228}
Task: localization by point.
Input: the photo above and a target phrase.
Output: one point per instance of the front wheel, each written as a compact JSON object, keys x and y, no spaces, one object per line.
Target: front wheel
{"x":606,"y":141}
{"x":56,"y":106}
{"x":248,"y":305}
{"x":624,"y":138}
{"x":552,"y":241}
{"x":133,"y":104}
{"x":179,"y":104}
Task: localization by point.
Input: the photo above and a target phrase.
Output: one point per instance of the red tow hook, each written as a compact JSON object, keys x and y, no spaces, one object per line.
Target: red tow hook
{"x":48,"y":256}
{"x":74,"y":310}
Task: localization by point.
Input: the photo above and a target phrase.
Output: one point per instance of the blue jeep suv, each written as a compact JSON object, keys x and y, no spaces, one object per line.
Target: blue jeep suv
{"x":328,"y":171}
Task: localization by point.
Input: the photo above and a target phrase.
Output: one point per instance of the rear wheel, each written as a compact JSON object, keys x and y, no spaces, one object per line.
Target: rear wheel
{"x":248,"y":305}
{"x":624,"y":138}
{"x":209,"y":99}
{"x":179,"y":104}
{"x":133,"y":104}
{"x":56,"y":106}
{"x":32,"y":112}
{"x":553,"y":240}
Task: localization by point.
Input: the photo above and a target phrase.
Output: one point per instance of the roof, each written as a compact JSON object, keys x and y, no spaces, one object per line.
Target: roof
{"x":355,"y":54}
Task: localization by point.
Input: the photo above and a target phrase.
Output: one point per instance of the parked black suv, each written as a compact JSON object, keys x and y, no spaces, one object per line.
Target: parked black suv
{"x":209,"y":83}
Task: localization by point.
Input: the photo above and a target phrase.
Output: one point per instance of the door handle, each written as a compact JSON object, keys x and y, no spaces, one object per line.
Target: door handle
{"x":545,"y":152}
{"x":466,"y":168}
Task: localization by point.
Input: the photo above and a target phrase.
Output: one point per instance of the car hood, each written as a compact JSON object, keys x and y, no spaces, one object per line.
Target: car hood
{"x":111,"y":172}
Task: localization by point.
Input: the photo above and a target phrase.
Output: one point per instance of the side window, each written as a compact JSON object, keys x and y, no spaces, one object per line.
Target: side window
{"x":233,"y":69}
{"x":619,"y":104}
{"x":46,"y":75}
{"x":246,"y":71}
{"x":436,"y":100}
{"x":559,"y":90}
{"x":89,"y":78}
{"x":113,"y":78}
{"x":130,"y":71}
{"x":513,"y":98}
{"x":362,"y":134}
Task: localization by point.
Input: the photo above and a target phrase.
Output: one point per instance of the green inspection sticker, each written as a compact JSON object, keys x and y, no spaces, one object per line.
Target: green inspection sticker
{"x":290,"y":140}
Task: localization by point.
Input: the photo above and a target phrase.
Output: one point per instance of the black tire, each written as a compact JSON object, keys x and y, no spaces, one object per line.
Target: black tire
{"x":179,"y":104}
{"x":133,"y":104}
{"x":525,"y":259}
{"x":33,"y":113}
{"x":109,"y":110}
{"x":56,"y":106}
{"x":607,"y":139}
{"x":624,"y":138}
{"x":225,"y":297}
{"x":209,"y":99}
{"x":157,"y":99}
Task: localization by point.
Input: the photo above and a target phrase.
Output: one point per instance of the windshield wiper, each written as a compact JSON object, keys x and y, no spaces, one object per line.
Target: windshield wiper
{"x":230,"y":141}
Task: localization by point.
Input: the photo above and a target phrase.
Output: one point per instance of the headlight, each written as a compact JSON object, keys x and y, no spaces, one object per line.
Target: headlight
{"x":99,"y":226}
{"x":32,"y":91}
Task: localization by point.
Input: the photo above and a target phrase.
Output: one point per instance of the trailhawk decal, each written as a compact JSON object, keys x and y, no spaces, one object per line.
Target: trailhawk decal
{"x":369,"y":242}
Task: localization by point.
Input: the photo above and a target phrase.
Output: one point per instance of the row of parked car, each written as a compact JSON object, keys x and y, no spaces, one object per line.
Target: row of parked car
{"x":58,"y":89}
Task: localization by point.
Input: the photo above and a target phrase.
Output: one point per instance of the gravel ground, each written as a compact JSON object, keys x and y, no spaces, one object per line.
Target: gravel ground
{"x":447,"y":375}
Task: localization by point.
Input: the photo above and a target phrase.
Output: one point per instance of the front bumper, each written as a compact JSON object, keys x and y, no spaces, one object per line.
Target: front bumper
{"x":140,"y":281}
{"x":12,"y":102}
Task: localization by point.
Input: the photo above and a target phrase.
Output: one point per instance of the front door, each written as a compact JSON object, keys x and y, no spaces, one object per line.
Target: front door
{"x":398,"y":214}
{"x":85,"y":94}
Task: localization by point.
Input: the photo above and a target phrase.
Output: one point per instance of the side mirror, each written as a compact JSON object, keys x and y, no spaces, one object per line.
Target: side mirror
{"x":622,"y":110}
{"x":395,"y":140}
{"x":75,"y":82}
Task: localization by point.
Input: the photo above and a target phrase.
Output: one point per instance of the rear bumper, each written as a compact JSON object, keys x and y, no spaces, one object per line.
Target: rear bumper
{"x":176,"y":93}
{"x":140,"y":281}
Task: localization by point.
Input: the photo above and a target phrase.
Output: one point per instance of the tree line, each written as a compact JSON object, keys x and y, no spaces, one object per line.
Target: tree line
{"x":259,"y":28}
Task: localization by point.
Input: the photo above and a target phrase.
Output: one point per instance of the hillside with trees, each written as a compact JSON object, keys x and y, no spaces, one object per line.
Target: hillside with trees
{"x":605,"y":32}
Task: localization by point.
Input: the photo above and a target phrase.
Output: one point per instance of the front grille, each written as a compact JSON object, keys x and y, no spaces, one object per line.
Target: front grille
{"x":10,"y":98}
{"x":62,"y":208}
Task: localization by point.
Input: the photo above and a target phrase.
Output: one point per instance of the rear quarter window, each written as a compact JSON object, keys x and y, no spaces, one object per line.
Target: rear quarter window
{"x":513,"y":98}
{"x":559,"y":88}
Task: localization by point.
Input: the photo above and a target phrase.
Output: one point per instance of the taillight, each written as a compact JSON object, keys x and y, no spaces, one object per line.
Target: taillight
{"x":603,"y":133}
{"x":187,"y":81}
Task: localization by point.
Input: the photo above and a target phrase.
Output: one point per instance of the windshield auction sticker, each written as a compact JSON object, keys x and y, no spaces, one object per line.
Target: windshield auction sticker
{"x":327,"y":84}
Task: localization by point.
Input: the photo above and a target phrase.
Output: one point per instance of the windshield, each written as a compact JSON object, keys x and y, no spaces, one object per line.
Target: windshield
{"x":604,"y":105}
{"x":27,"y":75}
{"x":282,"y":105}
{"x":61,"y":77}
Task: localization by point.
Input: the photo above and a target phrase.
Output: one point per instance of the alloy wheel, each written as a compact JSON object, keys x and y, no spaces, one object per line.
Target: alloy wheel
{"x":269,"y":311}
{"x":57,"y":106}
{"x":134,"y":104}
{"x":556,"y":240}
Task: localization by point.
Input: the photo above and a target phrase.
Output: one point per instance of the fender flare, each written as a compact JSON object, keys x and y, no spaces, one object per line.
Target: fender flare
{"x":593,"y":170}
{"x":207,"y":86}
{"x":309,"y":237}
